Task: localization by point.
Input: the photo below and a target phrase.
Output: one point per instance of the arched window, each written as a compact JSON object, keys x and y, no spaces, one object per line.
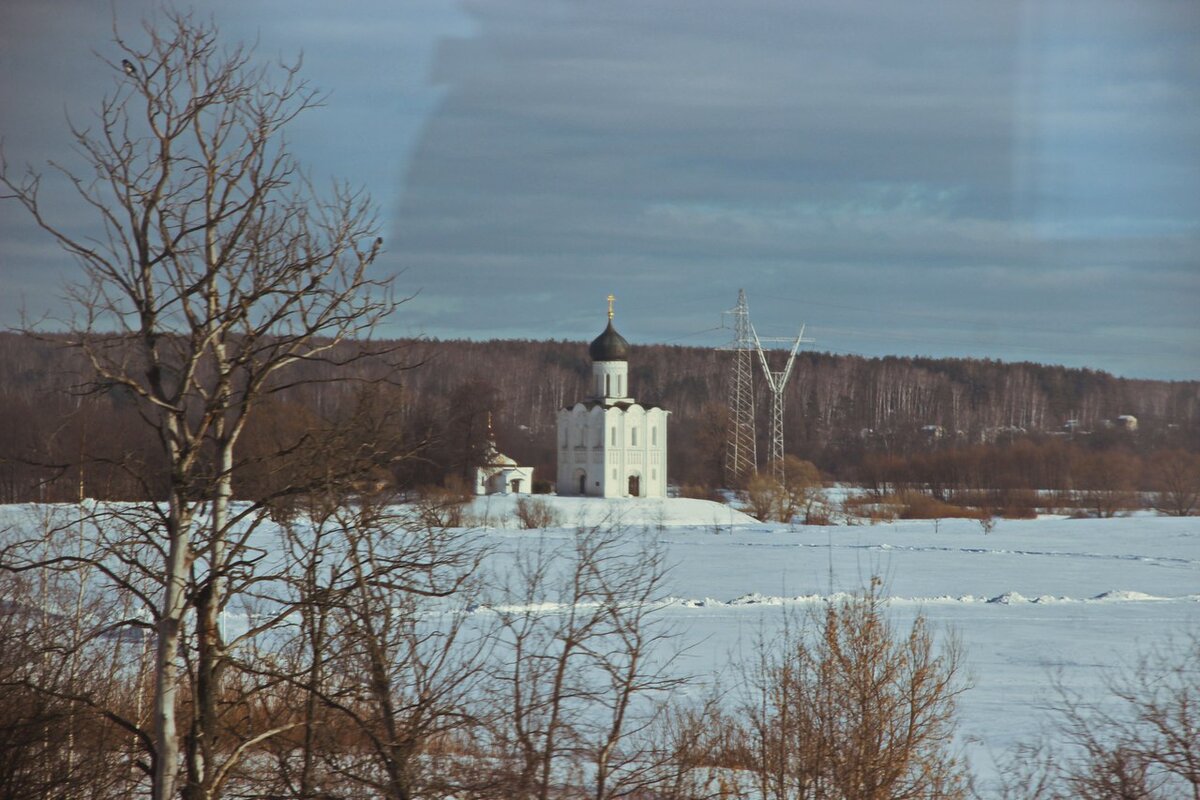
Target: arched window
{"x":607,"y":385}
{"x":620,"y":385}
{"x":614,"y":436}
{"x":633,"y":436}
{"x":653,"y":436}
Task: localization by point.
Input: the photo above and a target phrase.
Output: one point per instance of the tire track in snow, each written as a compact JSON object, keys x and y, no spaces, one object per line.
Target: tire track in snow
{"x":1007,"y":599}
{"x":757,"y":599}
{"x":1165,"y":561}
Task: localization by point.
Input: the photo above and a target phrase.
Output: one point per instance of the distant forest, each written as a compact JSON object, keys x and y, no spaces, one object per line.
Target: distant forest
{"x":422,"y":409}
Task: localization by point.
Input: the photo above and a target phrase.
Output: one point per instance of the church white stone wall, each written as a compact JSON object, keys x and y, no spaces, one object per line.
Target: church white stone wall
{"x":613,"y":451}
{"x":503,"y":479}
{"x":610,"y":445}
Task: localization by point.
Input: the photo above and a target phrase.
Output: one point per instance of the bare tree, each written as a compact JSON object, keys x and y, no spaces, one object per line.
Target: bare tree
{"x":391,"y":657}
{"x":1175,"y":474}
{"x":581,"y":659}
{"x":1137,"y":739}
{"x":216,"y":267}
{"x":70,"y":678}
{"x":1106,"y":482}
{"x":1141,"y":738}
{"x":1029,"y":771}
{"x":698,"y":750}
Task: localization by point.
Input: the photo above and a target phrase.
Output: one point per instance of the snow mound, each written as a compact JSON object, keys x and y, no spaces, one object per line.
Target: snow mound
{"x":1125,"y":595}
{"x":707,"y":602}
{"x":1016,"y":598}
{"x":755,"y":599}
{"x":1009,"y":598}
{"x":758,"y":599}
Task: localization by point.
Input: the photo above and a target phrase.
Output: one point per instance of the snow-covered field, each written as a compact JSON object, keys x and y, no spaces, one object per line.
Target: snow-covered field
{"x":1031,"y":601}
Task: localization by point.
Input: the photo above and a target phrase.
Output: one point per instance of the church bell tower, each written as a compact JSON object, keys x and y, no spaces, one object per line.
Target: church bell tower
{"x":610,"y":364}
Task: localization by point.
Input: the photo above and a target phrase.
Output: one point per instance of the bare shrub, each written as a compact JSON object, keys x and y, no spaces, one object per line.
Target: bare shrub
{"x":798,"y":492}
{"x":918,"y":505}
{"x":442,"y":506}
{"x":1019,"y":504}
{"x":819,"y":512}
{"x":694,"y":491}
{"x":871,"y":508}
{"x":537,"y":513}
{"x":762,"y":496}
{"x":850,"y":707}
{"x":485,"y":517}
{"x":906,"y":504}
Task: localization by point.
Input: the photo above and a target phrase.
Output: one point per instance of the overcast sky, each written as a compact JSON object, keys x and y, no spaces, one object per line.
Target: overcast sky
{"x":998,"y":179}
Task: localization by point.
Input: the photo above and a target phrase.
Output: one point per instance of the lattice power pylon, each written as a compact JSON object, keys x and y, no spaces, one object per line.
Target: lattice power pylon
{"x":741,"y":455}
{"x":776,"y":381}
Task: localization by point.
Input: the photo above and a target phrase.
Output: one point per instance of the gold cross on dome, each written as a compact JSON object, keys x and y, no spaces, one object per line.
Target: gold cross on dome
{"x":610,"y":306}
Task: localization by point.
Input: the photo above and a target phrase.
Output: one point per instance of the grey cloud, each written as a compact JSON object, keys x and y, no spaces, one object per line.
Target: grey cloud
{"x":910,"y":154}
{"x":999,"y":179}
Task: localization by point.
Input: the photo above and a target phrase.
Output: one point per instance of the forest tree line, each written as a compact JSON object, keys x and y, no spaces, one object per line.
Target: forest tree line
{"x":424,"y":407}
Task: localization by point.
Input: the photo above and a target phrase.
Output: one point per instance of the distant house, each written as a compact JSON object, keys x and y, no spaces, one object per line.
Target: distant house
{"x":1127,"y":422}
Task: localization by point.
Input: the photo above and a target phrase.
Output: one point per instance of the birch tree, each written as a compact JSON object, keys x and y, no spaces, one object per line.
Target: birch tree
{"x":213,"y":266}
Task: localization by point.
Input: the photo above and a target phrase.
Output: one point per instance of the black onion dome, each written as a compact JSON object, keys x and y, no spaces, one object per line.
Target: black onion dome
{"x":609,"y":346}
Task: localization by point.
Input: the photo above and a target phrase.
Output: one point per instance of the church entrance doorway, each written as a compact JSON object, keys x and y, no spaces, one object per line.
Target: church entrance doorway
{"x":583,"y":483}
{"x":635,"y":486}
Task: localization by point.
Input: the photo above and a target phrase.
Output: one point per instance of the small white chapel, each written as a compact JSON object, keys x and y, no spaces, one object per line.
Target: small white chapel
{"x":609,"y":445}
{"x":500,"y":474}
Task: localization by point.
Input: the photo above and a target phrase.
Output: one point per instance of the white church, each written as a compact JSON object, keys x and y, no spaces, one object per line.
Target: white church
{"x":609,"y":445}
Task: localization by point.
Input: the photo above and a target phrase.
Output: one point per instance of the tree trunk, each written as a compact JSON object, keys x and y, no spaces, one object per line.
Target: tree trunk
{"x":170,"y":625}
